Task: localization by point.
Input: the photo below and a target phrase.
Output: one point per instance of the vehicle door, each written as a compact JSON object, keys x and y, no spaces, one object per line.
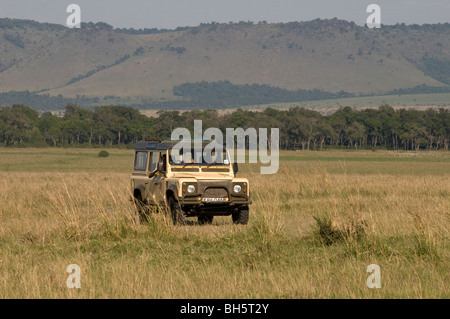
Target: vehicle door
{"x":157,"y":179}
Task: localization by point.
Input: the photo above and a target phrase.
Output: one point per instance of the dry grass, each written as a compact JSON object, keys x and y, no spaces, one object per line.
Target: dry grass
{"x":314,"y":229}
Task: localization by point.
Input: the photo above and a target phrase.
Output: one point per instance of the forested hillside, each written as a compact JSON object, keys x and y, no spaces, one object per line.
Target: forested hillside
{"x":192,"y":66}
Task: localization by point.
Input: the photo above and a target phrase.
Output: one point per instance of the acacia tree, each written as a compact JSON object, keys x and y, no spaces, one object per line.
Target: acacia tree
{"x":355,"y":133}
{"x":19,"y":123}
{"x":54,"y":133}
{"x":324,"y":131}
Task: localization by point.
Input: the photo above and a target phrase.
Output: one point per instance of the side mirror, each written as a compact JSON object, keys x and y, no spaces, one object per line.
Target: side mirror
{"x":160,"y":167}
{"x":235,"y":168}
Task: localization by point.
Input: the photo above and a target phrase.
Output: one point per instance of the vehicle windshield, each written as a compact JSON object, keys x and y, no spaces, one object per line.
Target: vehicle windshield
{"x":198,"y":157}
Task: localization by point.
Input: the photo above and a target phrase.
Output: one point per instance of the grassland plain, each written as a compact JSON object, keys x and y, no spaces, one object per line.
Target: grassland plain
{"x":315,"y":227}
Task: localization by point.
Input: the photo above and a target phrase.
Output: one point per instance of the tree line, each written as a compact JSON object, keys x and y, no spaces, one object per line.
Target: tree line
{"x":199,"y":95}
{"x":224,"y":94}
{"x":300,"y":128}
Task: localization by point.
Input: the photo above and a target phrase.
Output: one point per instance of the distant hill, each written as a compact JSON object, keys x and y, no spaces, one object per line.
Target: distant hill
{"x":101,"y":65}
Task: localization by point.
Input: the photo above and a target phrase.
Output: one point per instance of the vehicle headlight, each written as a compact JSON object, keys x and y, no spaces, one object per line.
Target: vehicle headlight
{"x":191,"y":188}
{"x":237,"y":188}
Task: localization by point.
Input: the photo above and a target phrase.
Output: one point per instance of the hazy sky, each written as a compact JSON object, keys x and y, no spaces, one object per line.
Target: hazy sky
{"x":174,"y":13}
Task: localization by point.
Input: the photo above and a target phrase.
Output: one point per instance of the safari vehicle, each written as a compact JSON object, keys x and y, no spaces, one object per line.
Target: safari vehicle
{"x":189,"y":187}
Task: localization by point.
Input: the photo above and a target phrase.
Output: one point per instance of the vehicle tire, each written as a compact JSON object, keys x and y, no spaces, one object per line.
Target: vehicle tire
{"x":140,"y":207}
{"x":205,"y":219}
{"x":178,"y":216}
{"x":240,"y":217}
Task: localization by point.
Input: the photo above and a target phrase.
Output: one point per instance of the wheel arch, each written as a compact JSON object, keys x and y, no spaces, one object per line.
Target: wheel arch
{"x":172,"y":191}
{"x":139,"y":190}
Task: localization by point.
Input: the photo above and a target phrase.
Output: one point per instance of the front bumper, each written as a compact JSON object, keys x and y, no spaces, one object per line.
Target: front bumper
{"x":199,"y":202}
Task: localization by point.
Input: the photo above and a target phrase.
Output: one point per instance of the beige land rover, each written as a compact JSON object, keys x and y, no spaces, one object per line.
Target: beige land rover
{"x":189,"y":187}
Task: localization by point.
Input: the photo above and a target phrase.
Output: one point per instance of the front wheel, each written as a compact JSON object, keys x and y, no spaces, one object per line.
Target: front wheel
{"x":241,"y":216}
{"x":178,"y":216}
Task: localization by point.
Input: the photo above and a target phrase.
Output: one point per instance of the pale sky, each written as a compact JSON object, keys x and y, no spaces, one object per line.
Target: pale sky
{"x":174,"y":13}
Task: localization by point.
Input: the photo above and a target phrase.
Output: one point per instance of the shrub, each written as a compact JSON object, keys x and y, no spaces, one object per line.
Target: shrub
{"x":103,"y":154}
{"x":329,"y":233}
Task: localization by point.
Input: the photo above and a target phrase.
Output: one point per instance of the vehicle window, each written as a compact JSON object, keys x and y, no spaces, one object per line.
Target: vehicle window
{"x":197,"y":156}
{"x":154,"y":157}
{"x":141,"y":161}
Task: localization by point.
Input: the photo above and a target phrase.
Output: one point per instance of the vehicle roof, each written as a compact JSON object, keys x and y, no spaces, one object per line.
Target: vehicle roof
{"x":164,"y":145}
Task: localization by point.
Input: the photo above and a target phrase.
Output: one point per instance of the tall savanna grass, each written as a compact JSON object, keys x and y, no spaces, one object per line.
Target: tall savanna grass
{"x":314,"y":228}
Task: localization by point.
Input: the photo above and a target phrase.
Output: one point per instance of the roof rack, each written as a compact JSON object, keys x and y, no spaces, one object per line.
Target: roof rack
{"x":168,"y":139}
{"x":157,"y":140}
{"x":149,"y":144}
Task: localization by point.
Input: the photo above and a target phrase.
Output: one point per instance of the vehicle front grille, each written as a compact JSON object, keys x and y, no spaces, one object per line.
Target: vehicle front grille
{"x":214,"y":192}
